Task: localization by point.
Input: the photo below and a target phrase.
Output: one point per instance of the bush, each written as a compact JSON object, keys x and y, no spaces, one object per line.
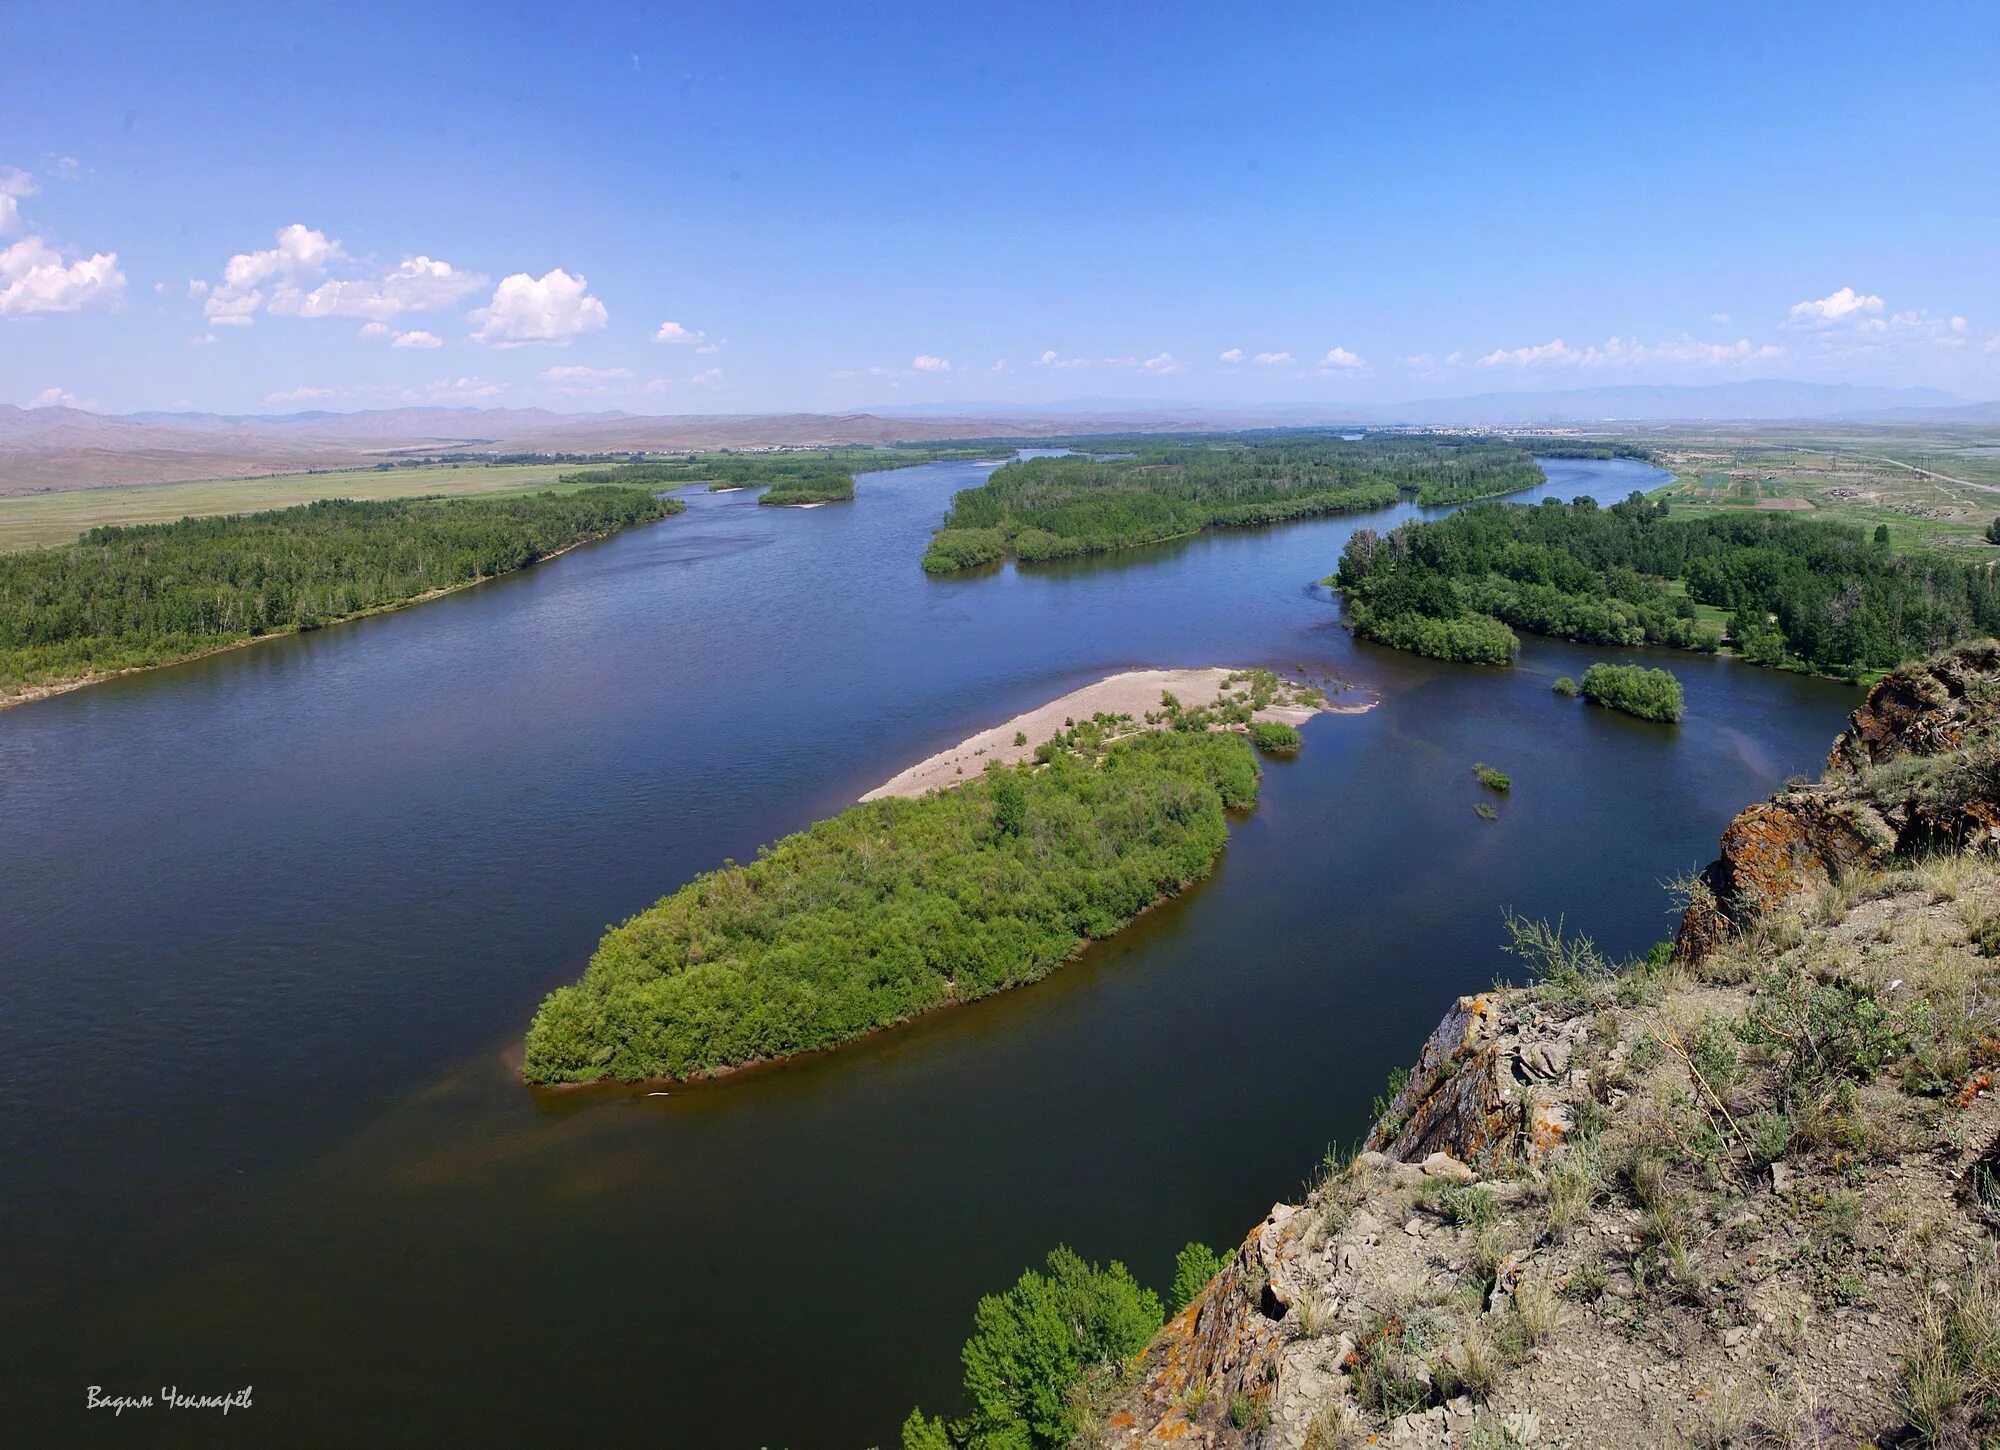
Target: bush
{"x":1493,"y":779}
{"x":952,"y":550}
{"x":1474,"y":639}
{"x":1194,"y":1266}
{"x":1274,"y":735}
{"x":1566,"y":687}
{"x":1648,"y":694}
{"x":1032,"y":1345}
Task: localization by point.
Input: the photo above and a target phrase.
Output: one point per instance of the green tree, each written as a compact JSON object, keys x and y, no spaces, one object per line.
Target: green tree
{"x":1010,"y":804}
{"x":1194,"y":1266}
{"x":1032,"y":1343}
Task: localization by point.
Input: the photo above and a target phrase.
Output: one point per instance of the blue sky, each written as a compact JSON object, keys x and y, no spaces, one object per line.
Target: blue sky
{"x":844,"y":206}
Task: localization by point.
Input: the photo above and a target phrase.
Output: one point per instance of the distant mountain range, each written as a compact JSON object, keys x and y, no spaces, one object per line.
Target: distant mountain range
{"x":62,"y":448}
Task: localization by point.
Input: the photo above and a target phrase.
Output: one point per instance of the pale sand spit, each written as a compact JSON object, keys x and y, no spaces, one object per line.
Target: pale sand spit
{"x":1133,"y":692}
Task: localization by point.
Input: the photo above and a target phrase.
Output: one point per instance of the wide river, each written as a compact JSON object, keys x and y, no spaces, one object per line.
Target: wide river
{"x":272,"y":923}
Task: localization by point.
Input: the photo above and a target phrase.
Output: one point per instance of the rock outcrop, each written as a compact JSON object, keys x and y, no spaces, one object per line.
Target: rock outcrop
{"x":1487,"y":1086}
{"x":1915,"y":770}
{"x":1701,"y":1202}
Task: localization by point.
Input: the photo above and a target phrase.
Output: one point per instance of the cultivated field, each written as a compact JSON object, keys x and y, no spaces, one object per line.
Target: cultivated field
{"x":1934,"y":488}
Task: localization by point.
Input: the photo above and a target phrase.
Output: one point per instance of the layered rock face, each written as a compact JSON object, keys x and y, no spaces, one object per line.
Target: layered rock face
{"x":1872,"y":806}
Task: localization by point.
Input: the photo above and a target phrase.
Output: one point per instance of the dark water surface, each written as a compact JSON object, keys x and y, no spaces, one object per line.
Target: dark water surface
{"x":270,"y":923}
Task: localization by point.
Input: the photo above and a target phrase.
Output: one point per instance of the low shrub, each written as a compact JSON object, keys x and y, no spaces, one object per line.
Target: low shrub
{"x":1648,"y":694}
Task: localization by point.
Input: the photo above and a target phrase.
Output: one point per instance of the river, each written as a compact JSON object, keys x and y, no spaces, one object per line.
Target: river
{"x":272,"y":922}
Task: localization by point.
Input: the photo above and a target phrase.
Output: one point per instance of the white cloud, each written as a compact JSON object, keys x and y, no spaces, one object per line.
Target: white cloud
{"x":1053,"y":359}
{"x":1835,"y":307}
{"x":206,"y":339}
{"x":1162,"y":364}
{"x":1272,"y":359}
{"x":1555,"y":352}
{"x":302,"y":255}
{"x":417,"y":337}
{"x":553,"y":308}
{"x":1718,"y":317}
{"x":1340,"y":360}
{"x":303,"y":395}
{"x":35,"y":280}
{"x":1627,"y":351}
{"x":373,"y":329}
{"x":281,"y":280}
{"x":57,"y":397}
{"x":416,"y":284}
{"x":579,"y":374}
{"x":1957,"y":324}
{"x":707,"y":375}
{"x":674,"y":332}
{"x":1453,"y":359}
{"x":14,"y":184}
{"x":1001,"y":365}
{"x":1234,"y":355}
{"x":926,"y":363}
{"x":465,"y":390}
{"x":1702,"y":354}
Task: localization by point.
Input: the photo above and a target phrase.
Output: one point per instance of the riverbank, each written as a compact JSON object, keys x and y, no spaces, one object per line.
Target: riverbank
{"x":11,"y":696}
{"x":1134,"y":693}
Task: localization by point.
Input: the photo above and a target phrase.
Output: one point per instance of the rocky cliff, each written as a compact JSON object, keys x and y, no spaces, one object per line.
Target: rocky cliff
{"x":1740,"y":1194}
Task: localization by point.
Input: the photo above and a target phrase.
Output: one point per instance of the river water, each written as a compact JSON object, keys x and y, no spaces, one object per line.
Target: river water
{"x":271,"y":925}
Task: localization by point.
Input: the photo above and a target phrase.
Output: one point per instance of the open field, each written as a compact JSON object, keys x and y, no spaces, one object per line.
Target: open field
{"x":1934,"y":488}
{"x":29,"y":521}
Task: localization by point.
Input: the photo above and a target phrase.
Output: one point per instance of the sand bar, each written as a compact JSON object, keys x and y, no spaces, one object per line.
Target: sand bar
{"x":1132,"y":692}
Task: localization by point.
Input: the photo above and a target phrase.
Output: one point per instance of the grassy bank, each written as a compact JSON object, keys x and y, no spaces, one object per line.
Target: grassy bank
{"x":130,"y":598}
{"x":897,"y":907}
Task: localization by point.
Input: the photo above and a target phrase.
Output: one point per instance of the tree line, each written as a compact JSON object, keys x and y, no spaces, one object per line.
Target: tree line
{"x":149,"y":594}
{"x":822,"y":475}
{"x":1799,"y":592}
{"x":1056,"y":507}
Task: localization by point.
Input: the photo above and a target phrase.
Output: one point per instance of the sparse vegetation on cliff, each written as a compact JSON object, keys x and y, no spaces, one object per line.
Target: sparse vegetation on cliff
{"x":899,"y":906}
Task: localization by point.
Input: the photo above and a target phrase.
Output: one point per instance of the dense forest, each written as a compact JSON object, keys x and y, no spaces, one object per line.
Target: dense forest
{"x":1055,"y":507}
{"x":820,"y":475}
{"x":151,"y":594}
{"x":1798,"y":592}
{"x":895,"y":907}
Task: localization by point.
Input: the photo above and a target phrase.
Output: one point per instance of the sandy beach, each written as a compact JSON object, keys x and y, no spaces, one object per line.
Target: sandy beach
{"x":1132,"y":692}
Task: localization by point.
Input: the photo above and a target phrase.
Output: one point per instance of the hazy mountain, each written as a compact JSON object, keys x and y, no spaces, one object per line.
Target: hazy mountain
{"x":55,"y":448}
{"x":1766,"y":400}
